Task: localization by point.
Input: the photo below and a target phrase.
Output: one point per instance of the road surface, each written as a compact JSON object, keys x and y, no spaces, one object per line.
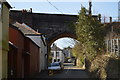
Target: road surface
{"x":69,"y":72}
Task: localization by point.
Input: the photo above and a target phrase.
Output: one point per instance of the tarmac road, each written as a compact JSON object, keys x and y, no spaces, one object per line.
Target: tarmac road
{"x":69,"y":72}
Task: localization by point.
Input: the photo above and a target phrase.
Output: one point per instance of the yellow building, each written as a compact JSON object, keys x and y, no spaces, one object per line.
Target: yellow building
{"x":4,"y":37}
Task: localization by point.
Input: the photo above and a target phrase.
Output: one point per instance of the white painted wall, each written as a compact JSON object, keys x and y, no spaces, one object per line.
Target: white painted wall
{"x":0,"y":44}
{"x":67,"y":52}
{"x":0,"y":50}
{"x":61,"y":56}
{"x":0,"y":26}
{"x":0,"y":63}
{"x":43,"y":57}
{"x":4,"y":41}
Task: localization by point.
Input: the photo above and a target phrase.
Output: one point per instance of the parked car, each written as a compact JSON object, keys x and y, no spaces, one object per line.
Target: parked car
{"x":56,"y":66}
{"x":62,"y":65}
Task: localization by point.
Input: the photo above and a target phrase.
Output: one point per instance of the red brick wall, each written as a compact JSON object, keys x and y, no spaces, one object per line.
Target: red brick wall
{"x":27,"y":53}
{"x":17,"y":39}
{"x":34,"y":50}
{"x":12,"y":61}
{"x":27,"y":58}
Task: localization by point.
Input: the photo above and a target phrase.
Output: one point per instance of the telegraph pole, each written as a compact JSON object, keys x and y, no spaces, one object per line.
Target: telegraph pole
{"x":90,"y":6}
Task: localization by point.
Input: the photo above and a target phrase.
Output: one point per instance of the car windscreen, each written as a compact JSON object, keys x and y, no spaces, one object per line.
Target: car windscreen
{"x":55,"y":64}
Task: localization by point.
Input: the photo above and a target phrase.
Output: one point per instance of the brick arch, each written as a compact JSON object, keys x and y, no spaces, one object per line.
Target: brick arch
{"x":62,"y":35}
{"x":56,"y":37}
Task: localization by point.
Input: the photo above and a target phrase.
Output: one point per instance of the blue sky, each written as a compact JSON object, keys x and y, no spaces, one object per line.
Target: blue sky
{"x":107,"y":9}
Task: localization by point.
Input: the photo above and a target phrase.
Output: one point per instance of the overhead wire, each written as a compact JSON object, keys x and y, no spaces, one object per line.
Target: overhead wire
{"x":54,"y":6}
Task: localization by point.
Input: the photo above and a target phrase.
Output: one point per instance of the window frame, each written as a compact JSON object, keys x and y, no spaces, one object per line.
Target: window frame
{"x":57,"y":54}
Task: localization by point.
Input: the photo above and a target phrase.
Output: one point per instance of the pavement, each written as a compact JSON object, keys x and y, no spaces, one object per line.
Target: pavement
{"x":69,"y":72}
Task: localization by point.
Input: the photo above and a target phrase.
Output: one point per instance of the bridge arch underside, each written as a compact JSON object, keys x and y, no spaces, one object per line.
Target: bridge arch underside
{"x":56,"y":37}
{"x":62,"y":35}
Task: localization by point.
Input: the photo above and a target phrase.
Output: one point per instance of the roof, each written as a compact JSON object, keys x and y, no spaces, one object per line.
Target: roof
{"x":44,"y":42}
{"x":17,"y":28}
{"x":6,"y":3}
{"x":55,"y":48}
{"x":25,"y":29}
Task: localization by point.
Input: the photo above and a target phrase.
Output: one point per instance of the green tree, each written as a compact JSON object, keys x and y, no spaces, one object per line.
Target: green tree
{"x":77,"y":52}
{"x":89,"y":32}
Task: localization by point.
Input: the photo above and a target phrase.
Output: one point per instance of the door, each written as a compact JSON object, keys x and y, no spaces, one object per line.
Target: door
{"x":12,"y":61}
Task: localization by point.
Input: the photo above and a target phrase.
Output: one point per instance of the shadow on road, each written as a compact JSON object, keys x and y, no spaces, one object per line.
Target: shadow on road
{"x":69,"y":72}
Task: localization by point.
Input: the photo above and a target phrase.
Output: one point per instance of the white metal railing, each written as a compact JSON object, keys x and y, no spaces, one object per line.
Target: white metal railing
{"x":107,"y":19}
{"x":113,"y":46}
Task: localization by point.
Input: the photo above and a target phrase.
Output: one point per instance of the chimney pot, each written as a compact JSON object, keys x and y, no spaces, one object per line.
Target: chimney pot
{"x":110,"y":19}
{"x":31,"y":10}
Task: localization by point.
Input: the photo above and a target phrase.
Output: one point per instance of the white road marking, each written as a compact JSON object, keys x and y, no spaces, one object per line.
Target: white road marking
{"x":67,"y":70}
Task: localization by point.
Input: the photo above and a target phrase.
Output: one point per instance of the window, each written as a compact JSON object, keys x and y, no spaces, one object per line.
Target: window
{"x":52,"y":53}
{"x":109,"y":45}
{"x":57,"y":53}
